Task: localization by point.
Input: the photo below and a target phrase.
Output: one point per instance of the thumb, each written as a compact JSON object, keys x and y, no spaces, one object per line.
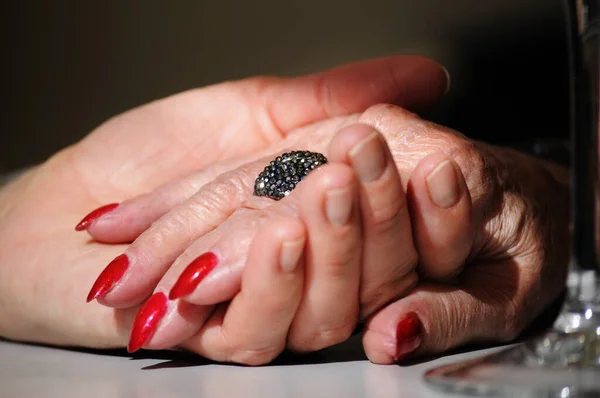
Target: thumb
{"x":172,"y":137}
{"x":436,"y":318}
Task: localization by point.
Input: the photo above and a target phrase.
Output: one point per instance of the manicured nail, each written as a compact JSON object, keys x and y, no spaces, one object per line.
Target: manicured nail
{"x":338,"y":206}
{"x":409,"y":335}
{"x":109,"y":277}
{"x":147,"y":320}
{"x":290,"y":254}
{"x":368,"y":158}
{"x":193,"y":275}
{"x":442,"y":184}
{"x":93,"y":216}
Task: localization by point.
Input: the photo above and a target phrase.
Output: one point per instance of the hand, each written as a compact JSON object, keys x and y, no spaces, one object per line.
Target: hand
{"x":507,"y":225}
{"x":516,"y":268}
{"x":46,"y":269}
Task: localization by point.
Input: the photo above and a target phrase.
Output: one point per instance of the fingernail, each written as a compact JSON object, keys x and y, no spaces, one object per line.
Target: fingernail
{"x":338,"y":206}
{"x":409,"y":335}
{"x":448,"y":80}
{"x":193,"y":275}
{"x":93,"y":216}
{"x":290,"y":254}
{"x":368,"y":158}
{"x":443,"y":185}
{"x":147,"y":320}
{"x":109,"y":277}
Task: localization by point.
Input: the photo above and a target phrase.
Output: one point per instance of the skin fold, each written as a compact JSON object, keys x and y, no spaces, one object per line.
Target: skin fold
{"x":46,"y":268}
{"x":506,"y":255}
{"x":485,"y":265}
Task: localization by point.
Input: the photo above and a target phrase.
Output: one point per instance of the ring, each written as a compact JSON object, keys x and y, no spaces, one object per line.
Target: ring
{"x":284,"y":172}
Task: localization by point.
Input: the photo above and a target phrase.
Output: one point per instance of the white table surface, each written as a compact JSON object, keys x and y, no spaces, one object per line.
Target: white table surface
{"x":28,"y":371}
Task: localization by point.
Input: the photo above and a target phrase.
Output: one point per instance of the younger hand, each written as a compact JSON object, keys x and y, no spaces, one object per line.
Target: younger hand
{"x":497,"y":179}
{"x":46,"y":270}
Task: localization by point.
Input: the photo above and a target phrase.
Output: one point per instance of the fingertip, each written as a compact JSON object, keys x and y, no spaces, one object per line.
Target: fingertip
{"x":193,"y":274}
{"x":441,"y":212}
{"x":379,"y":348}
{"x":286,"y":229}
{"x":426,"y":81}
{"x":396,"y":332}
{"x":329,"y":198}
{"x":409,"y":335}
{"x":92,"y":217}
{"x":332,"y":176}
{"x":281,"y":244}
{"x":121,"y":224}
{"x":110,"y":276}
{"x":347,"y":138}
{"x":147,"y":320}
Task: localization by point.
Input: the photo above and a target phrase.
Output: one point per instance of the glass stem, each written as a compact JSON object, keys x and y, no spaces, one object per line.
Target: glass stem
{"x":583,"y":284}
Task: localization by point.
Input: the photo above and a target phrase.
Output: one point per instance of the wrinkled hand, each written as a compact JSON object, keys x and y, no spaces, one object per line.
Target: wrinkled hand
{"x":46,"y":269}
{"x":471,"y":205}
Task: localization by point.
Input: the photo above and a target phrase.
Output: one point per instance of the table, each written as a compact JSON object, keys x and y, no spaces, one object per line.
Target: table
{"x":28,"y":371}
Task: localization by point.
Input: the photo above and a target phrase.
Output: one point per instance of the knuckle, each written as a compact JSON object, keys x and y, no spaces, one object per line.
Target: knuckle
{"x":335,"y":335}
{"x":387,"y":215}
{"x":183,"y":224}
{"x":376,"y":296}
{"x":237,"y":349}
{"x":162,"y":231}
{"x":203,"y":212}
{"x":477,"y":168}
{"x":384,"y":112}
{"x":374,"y":299}
{"x":468,"y":156}
{"x":338,"y":265}
{"x":236,"y":183}
{"x":180,"y":221}
{"x":323,"y":337}
{"x":254,"y":356}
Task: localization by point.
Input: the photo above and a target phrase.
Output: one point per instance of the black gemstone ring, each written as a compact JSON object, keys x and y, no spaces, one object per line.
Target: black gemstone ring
{"x":284,"y":172}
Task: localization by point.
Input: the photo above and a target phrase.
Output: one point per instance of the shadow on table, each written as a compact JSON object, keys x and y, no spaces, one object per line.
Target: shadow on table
{"x":349,"y":351}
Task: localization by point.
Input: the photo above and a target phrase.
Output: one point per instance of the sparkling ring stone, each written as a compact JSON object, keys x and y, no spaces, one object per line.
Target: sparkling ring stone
{"x":284,"y":172}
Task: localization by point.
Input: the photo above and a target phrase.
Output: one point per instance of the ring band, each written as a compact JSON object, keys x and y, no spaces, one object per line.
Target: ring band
{"x":284,"y":172}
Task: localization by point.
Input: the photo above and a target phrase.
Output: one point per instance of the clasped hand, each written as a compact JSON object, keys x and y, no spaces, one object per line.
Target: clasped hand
{"x":431,"y":239}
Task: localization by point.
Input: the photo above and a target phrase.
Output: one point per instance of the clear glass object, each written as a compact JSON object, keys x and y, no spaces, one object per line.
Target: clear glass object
{"x":565,"y":361}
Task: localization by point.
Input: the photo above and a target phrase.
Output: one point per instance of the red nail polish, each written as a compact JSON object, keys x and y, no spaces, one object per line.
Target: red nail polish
{"x":109,"y":277}
{"x":409,"y":335}
{"x":147,"y":320}
{"x":193,"y":275}
{"x":93,"y":216}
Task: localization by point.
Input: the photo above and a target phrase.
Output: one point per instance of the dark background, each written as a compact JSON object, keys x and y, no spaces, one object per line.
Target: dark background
{"x":67,"y":66}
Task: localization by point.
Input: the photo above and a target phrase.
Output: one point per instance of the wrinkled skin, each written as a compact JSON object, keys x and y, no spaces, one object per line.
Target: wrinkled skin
{"x":46,"y":269}
{"x":514,"y":267}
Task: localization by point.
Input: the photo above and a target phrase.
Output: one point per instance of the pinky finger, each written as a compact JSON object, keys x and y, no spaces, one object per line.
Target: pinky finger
{"x":253,"y":329}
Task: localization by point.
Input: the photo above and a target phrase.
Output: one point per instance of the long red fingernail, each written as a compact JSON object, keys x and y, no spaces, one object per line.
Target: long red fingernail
{"x":409,"y":335}
{"x":193,"y":275}
{"x":147,"y":320}
{"x":112,"y":274}
{"x":93,"y":216}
